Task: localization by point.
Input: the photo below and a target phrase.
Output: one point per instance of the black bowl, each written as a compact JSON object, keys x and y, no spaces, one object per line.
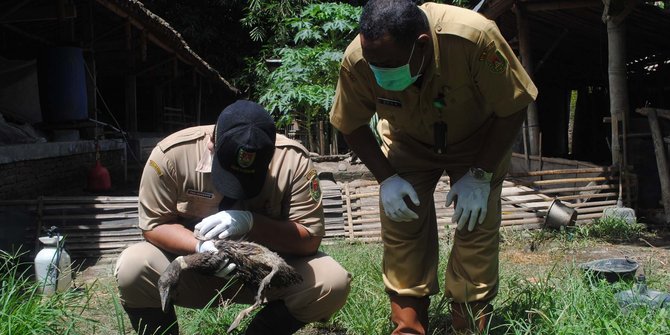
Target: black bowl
{"x":611,"y":269}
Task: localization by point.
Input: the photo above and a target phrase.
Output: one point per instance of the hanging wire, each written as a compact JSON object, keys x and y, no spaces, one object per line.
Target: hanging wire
{"x":109,"y":111}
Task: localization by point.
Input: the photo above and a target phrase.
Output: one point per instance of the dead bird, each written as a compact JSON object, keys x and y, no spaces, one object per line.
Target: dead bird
{"x":257,"y":266}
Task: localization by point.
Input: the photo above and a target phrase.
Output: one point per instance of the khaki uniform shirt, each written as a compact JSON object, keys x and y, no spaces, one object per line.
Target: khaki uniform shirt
{"x":176,"y":185}
{"x":473,"y":75}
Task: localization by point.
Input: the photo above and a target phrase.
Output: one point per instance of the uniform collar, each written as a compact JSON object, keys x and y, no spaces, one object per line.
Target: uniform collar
{"x":205,"y":163}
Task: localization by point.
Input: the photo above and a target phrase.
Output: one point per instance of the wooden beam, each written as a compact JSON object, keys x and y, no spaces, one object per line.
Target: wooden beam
{"x":16,"y":7}
{"x":27,"y":34}
{"x":154,"y":66}
{"x":664,"y":113}
{"x":107,"y":33}
{"x":561,"y":4}
{"x":42,"y":13}
{"x":151,"y":37}
{"x":551,"y":50}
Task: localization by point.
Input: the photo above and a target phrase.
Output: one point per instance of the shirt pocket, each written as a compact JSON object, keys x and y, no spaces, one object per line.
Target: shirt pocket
{"x":394,"y":111}
{"x":459,"y":98}
{"x":197,"y":208}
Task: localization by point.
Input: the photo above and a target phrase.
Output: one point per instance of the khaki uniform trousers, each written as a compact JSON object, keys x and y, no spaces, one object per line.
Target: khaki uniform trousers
{"x":411,"y":248}
{"x":323,"y":291}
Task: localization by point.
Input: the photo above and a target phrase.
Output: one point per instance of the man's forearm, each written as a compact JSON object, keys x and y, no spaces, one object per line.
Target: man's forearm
{"x":283,"y":236}
{"x":172,"y":237}
{"x":499,"y":140}
{"x":364,"y":144}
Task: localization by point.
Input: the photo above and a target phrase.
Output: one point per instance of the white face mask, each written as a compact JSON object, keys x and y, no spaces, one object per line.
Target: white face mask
{"x":397,"y":78}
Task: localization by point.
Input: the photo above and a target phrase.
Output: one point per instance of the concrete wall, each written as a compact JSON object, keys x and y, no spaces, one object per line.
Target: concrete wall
{"x":57,"y":168}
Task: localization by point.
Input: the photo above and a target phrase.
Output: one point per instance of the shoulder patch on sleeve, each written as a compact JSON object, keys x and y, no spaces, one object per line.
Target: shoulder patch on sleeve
{"x":314,"y":187}
{"x":496,"y":61}
{"x":311,"y":174}
{"x":157,"y":168}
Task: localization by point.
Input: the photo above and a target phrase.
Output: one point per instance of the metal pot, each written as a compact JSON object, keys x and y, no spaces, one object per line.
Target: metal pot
{"x":559,"y":215}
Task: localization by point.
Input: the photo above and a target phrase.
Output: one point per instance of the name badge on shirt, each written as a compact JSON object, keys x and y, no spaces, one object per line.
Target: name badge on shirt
{"x":389,"y":102}
{"x":200,"y":194}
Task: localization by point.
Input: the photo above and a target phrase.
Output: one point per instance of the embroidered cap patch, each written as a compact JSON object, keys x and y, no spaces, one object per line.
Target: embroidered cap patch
{"x":245,"y":158}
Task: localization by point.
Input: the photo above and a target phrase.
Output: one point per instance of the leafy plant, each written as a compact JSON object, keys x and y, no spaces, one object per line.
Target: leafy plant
{"x":611,"y":228}
{"x":303,"y":86}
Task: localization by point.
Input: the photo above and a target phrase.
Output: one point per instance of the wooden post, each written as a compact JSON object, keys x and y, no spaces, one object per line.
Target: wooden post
{"x":533,"y":123}
{"x":93,"y":96}
{"x":661,"y":162}
{"x":618,"y":86}
{"x":350,"y":219}
{"x":130,"y":82}
{"x":334,"y":143}
{"x":198,"y":101}
{"x":322,"y":139}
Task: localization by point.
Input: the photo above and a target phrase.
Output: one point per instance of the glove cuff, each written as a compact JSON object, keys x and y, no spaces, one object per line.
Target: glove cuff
{"x":387,"y":179}
{"x":480,"y":175}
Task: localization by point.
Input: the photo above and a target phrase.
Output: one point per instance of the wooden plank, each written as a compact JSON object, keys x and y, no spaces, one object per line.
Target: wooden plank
{"x":91,"y":216}
{"x":88,"y":199}
{"x":94,"y":227}
{"x":563,"y":172}
{"x":93,"y":206}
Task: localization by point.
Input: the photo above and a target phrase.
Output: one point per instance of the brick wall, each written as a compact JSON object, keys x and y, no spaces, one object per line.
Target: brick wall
{"x":61,"y":175}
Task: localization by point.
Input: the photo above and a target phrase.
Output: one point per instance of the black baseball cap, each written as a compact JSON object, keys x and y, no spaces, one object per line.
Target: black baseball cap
{"x":243,"y":148}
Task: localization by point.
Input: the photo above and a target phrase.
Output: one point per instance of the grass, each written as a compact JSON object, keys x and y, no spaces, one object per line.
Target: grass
{"x":541,"y":292}
{"x":23,"y":310}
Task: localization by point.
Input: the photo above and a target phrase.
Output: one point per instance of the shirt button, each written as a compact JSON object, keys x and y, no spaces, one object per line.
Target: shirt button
{"x":438,"y":27}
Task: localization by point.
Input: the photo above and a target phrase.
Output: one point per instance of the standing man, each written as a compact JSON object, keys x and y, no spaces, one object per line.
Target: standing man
{"x":240,"y":180}
{"x":451,"y":96}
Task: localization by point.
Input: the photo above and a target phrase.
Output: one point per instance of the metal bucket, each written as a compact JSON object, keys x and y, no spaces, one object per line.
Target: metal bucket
{"x":559,"y":215}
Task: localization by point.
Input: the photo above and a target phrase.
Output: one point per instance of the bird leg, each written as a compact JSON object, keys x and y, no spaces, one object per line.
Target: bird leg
{"x":261,"y":286}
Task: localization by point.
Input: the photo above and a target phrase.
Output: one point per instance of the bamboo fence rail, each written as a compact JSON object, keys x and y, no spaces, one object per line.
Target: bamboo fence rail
{"x":104,"y":226}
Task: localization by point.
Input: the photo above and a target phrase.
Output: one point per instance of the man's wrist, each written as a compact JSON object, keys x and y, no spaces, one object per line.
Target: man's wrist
{"x":480,"y":174}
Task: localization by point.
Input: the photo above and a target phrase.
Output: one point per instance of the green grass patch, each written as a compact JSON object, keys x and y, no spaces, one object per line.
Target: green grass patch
{"x":547,"y":294}
{"x":23,"y":309}
{"x":613,"y":229}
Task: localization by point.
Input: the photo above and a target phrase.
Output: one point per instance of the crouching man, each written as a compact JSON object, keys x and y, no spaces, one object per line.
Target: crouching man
{"x":248,"y":183}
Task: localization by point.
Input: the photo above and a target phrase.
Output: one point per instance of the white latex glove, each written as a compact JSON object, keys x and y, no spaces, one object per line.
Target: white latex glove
{"x":472,"y":204}
{"x":392,"y":191}
{"x":224,"y":224}
{"x":226,"y":267}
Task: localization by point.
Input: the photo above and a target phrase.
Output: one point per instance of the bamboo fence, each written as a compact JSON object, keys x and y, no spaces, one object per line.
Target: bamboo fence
{"x":104,"y":226}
